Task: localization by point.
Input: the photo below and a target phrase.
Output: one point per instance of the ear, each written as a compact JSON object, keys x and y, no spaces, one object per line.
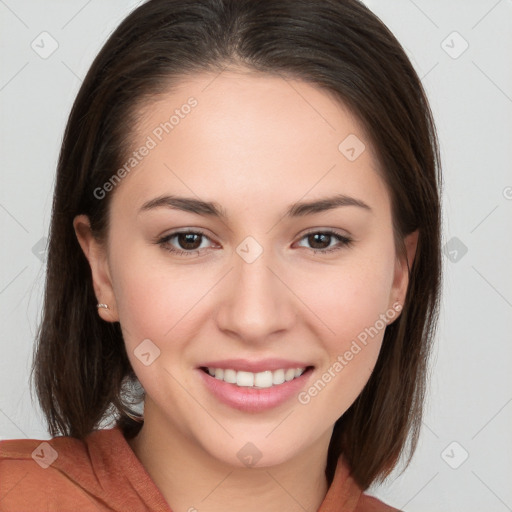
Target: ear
{"x":402,"y":265}
{"x":96,"y":255}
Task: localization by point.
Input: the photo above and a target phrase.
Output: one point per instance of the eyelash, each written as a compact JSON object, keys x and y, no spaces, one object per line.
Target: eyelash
{"x":345,"y":241}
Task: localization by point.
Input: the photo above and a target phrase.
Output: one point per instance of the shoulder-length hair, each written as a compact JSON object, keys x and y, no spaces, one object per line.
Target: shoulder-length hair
{"x":80,"y":364}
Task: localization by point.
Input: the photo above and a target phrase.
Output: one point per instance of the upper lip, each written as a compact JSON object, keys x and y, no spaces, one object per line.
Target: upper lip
{"x":246,"y":365}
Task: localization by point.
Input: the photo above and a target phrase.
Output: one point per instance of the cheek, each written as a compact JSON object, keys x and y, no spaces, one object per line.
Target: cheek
{"x":352,"y":296}
{"x":352,"y":302}
{"x":156,"y":307}
{"x":153,"y":300}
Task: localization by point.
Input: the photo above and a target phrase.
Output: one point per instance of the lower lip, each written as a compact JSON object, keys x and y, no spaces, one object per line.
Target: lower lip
{"x":252,"y":399}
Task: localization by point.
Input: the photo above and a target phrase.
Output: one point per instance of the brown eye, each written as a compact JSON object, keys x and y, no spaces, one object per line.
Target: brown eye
{"x":187,"y":242}
{"x":320,"y":241}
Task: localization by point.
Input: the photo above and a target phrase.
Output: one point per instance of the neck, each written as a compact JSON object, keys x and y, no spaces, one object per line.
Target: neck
{"x":192,"y":480}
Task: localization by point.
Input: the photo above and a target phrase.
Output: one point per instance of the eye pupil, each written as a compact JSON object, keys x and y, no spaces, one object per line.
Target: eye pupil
{"x":315,"y":237}
{"x":186,"y":239}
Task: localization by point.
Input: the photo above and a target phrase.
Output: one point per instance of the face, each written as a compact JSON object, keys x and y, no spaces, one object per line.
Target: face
{"x":312,"y":288}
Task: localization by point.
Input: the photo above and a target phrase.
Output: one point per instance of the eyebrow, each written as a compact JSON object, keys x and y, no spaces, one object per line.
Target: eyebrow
{"x":213,"y":209}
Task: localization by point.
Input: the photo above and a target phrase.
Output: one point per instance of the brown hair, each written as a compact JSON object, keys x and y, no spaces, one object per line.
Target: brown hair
{"x":80,"y":361}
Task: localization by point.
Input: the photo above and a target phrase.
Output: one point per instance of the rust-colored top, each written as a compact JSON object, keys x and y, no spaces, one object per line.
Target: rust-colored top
{"x":103,"y":473}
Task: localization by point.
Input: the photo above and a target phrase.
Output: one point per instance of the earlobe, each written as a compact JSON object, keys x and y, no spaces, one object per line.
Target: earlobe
{"x":95,"y":254}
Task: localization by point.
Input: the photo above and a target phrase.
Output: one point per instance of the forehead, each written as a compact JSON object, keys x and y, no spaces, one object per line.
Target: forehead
{"x":257,"y":104}
{"x":242,"y":134}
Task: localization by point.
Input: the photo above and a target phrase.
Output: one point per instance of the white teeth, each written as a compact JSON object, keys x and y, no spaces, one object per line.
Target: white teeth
{"x":278,"y":377}
{"x":230,"y":376}
{"x":289,"y":374}
{"x":245,"y":379}
{"x":265,"y":379}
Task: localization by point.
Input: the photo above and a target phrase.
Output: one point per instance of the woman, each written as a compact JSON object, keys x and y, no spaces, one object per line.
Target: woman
{"x":246,"y":226}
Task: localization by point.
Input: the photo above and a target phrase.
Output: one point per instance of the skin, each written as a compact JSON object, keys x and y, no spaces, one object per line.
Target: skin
{"x":254,"y":144}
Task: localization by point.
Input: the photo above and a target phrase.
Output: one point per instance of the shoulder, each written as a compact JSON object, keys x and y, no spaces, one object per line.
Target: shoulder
{"x":369,"y":503}
{"x":345,"y":494}
{"x":40,"y":452}
{"x":98,"y":473}
{"x":32,"y":469}
{"x":57,"y":454}
{"x":41,"y":457}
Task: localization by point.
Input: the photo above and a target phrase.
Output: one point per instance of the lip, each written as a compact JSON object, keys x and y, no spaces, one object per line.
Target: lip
{"x":253,"y":400}
{"x":245,"y":365}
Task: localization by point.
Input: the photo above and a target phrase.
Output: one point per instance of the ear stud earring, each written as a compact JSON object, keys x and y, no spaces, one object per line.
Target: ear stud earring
{"x":105,"y":306}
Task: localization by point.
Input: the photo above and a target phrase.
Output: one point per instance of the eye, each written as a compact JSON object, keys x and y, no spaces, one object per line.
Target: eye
{"x":320,"y":240}
{"x":190,"y":242}
{"x":186,"y":239}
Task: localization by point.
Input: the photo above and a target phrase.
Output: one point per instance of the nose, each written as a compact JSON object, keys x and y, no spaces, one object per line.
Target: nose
{"x":256,"y":302}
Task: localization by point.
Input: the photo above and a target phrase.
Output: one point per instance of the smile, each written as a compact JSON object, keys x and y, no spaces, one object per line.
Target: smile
{"x":254,"y":392}
{"x":264,"y":379}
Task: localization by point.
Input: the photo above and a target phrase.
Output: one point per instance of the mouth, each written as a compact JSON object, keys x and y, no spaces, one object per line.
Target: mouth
{"x":256,"y":380}
{"x":255,"y":392}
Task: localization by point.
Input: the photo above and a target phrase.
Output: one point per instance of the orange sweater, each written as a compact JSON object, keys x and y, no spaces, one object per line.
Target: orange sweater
{"x":102,"y":473}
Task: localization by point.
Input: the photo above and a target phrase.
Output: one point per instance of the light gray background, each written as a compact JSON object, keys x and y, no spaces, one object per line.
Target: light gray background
{"x":471,"y":97}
